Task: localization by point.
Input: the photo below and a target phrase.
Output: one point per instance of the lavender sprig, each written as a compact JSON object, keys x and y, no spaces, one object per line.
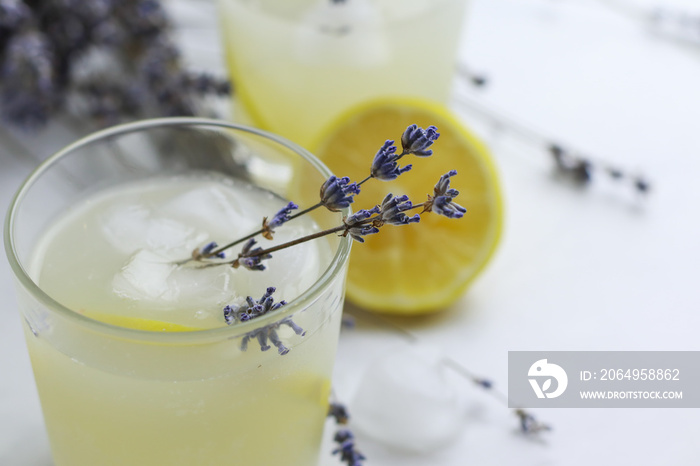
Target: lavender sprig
{"x":343,"y":437}
{"x":569,"y":162}
{"x":46,"y":51}
{"x":337,"y":193}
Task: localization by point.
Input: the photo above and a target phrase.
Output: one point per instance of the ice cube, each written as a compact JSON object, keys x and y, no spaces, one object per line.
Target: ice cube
{"x":152,"y":278}
{"x":132,"y":227}
{"x":405,"y":400}
{"x":145,"y":277}
{"x":124,"y":226}
{"x":211,"y":209}
{"x":346,"y":34}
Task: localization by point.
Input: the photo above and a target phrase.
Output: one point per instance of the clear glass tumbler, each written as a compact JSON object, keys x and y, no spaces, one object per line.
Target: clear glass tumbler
{"x":113,"y":395}
{"x":296,"y":65}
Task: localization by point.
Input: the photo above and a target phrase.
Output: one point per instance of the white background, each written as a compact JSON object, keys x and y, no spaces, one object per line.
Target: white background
{"x":578,"y":269}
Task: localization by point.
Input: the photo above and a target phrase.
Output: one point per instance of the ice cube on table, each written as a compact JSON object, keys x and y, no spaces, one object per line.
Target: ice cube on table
{"x":405,"y":400}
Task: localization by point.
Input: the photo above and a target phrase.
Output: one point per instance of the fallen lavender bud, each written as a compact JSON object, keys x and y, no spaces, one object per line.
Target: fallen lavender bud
{"x":529,"y":424}
{"x":338,"y":412}
{"x":347,"y":450}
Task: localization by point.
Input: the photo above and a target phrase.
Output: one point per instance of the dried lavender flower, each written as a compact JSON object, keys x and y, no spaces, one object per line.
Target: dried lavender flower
{"x":27,"y":77}
{"x":529,"y":424}
{"x":338,"y":412}
{"x":392,"y":210}
{"x":206,"y":251}
{"x":55,"y":73}
{"x":416,"y":140}
{"x":348,"y":452}
{"x":251,"y":258}
{"x":338,"y":193}
{"x":279,"y":218}
{"x":441,"y":202}
{"x":253,"y":309}
{"x":385,"y":165}
{"x":357,"y":227}
{"x":13,"y":14}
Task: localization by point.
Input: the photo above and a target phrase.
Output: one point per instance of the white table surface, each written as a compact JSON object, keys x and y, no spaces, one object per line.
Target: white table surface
{"x":578,"y":269}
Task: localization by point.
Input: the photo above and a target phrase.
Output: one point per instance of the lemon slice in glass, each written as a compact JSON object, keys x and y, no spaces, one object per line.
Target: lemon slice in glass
{"x":138,"y":323}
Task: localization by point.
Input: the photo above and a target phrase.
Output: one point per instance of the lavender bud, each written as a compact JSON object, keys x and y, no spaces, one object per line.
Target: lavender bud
{"x":340,"y":413}
{"x":416,"y":140}
{"x":385,"y":166}
{"x":442,"y":200}
{"x":392,"y":210}
{"x":356,"y":226}
{"x":280,"y":217}
{"x":338,"y":193}
{"x":249,"y":259}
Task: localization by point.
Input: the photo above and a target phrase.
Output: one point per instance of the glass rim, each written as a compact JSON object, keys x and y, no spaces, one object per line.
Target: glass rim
{"x":433,"y":4}
{"x":302,"y":301}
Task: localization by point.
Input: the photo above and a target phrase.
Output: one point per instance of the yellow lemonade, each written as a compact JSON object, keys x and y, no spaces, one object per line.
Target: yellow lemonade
{"x":298,"y":64}
{"x":169,"y":383}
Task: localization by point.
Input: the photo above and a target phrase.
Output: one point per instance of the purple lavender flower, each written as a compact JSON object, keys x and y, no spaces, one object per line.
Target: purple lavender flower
{"x":416,"y":140}
{"x":250,"y":258}
{"x":13,"y":13}
{"x":357,"y":227}
{"x":28,"y":79}
{"x":204,"y":83}
{"x":280,"y":217}
{"x":338,"y":193}
{"x":442,"y":201}
{"x":392,"y":210}
{"x":338,"y":412}
{"x":252,"y":309}
{"x":385,"y":165}
{"x":208,"y":248}
{"x":443,"y":205}
{"x":347,"y":449}
{"x":529,"y":424}
{"x":484,"y":383}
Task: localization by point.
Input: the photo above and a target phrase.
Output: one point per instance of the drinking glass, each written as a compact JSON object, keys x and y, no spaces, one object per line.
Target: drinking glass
{"x":297,"y":65}
{"x":113,"y":395}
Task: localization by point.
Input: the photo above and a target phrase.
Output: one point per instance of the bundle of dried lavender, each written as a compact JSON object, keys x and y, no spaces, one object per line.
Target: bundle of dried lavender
{"x":107,"y":60}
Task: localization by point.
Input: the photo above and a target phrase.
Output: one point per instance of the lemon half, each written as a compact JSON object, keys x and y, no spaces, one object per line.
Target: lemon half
{"x":421,"y":267}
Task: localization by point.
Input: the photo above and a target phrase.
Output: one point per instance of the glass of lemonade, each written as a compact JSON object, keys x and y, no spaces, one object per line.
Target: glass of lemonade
{"x":133,"y":360}
{"x":326,"y":56}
